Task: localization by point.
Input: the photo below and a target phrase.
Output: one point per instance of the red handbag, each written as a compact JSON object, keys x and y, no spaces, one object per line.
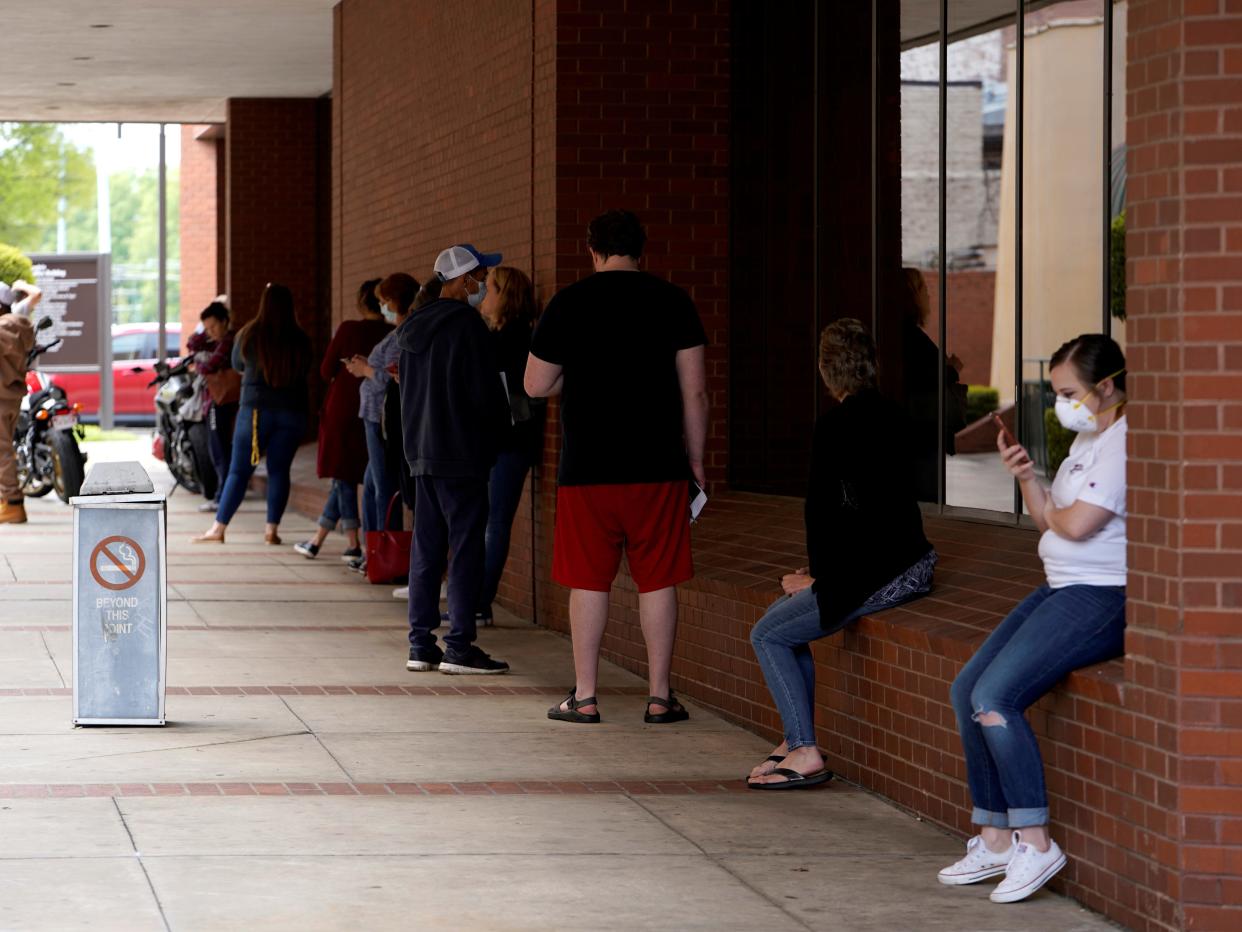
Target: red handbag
{"x":388,"y":552}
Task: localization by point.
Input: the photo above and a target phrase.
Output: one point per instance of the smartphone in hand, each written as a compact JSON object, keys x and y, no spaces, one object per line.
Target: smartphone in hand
{"x":1010,"y":440}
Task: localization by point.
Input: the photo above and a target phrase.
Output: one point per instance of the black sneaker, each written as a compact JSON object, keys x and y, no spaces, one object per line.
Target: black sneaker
{"x":353,"y":553}
{"x":307,"y":549}
{"x":472,"y":663}
{"x":424,"y":661}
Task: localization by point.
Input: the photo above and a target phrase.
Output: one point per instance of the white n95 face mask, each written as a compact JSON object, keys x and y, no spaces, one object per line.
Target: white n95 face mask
{"x":1076,"y":416}
{"x":476,"y":299}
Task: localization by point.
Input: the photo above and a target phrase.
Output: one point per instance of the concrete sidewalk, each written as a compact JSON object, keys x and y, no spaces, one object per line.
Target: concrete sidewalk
{"x":307,"y":781}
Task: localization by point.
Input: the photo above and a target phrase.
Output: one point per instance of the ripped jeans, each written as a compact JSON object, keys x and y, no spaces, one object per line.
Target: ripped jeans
{"x":1050,"y":634}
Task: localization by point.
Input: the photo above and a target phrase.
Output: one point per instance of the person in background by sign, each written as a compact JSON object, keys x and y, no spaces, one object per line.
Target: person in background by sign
{"x":343,"y":451}
{"x":213,"y":361}
{"x":273,"y":353}
{"x":17,"y":337}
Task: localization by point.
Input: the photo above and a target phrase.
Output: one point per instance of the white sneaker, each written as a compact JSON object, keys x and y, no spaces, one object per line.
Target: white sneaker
{"x":402,"y":593}
{"x":1029,"y":869}
{"x":979,"y":864}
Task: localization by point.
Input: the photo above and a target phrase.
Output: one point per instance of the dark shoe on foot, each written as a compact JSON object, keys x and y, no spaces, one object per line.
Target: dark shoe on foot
{"x":674,"y":710}
{"x":353,"y":553}
{"x":472,"y":662}
{"x":571,"y":714}
{"x":308,"y":549}
{"x":424,"y":661}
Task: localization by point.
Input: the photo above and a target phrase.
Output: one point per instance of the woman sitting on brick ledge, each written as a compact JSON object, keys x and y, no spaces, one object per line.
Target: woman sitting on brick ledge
{"x":1077,"y":619}
{"x":864,"y":540}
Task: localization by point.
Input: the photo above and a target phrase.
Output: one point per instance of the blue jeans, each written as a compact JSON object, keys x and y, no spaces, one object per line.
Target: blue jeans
{"x":378,"y":485}
{"x":341,"y":506}
{"x":504,"y":493}
{"x":1050,"y":634}
{"x":280,"y":432}
{"x":450,"y":514}
{"x":221,"y":421}
{"x":782,"y":637}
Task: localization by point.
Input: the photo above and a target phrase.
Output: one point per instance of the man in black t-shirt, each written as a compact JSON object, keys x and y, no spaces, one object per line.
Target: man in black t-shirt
{"x":625,"y":350}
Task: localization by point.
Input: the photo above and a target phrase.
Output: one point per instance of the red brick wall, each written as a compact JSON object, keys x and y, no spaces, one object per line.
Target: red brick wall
{"x":200,"y":281}
{"x":972,"y":297}
{"x":1184,"y":301}
{"x":274,"y":230}
{"x":432,"y":136}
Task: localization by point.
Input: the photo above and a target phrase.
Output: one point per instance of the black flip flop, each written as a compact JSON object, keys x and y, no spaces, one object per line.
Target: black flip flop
{"x":572,"y":714}
{"x":676,"y":711}
{"x":793,"y":780}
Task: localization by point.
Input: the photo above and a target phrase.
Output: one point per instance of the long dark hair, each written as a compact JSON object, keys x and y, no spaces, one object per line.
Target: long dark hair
{"x":1095,"y":358}
{"x":279,"y":343}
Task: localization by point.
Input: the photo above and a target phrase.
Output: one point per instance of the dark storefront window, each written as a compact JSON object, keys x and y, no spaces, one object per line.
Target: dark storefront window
{"x":993,"y":171}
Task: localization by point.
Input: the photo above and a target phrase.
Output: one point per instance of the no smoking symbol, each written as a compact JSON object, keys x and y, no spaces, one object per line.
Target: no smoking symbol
{"x":119,"y":558}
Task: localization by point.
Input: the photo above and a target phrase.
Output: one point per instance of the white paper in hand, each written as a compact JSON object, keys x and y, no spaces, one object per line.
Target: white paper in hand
{"x":698,"y":498}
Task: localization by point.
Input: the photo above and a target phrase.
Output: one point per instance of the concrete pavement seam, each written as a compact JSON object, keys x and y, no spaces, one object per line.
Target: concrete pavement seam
{"x":55,"y":665}
{"x":186,"y":747}
{"x":138,"y":855}
{"x":719,"y":863}
{"x":310,"y":731}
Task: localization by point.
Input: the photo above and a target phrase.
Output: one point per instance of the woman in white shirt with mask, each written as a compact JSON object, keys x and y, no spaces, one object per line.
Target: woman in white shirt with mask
{"x":1077,"y":619}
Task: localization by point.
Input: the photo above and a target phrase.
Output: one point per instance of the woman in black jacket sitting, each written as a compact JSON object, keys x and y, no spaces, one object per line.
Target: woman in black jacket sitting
{"x":864,"y":539}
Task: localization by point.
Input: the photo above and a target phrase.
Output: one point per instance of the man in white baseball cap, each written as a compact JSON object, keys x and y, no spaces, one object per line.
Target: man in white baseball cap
{"x":454,"y":411}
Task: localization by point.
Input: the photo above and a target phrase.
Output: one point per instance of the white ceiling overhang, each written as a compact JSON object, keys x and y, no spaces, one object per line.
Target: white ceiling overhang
{"x":175,"y":61}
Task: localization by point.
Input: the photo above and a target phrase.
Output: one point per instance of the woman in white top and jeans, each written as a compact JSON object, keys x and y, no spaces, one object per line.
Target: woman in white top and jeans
{"x":1077,"y":619}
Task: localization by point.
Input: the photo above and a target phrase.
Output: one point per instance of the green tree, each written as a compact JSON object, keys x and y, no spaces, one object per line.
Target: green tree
{"x":135,"y":245}
{"x":14,"y":265}
{"x":39,"y":168}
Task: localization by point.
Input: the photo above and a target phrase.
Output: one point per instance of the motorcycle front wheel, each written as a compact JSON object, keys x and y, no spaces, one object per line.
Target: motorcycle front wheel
{"x":68,"y":467}
{"x":34,"y":482}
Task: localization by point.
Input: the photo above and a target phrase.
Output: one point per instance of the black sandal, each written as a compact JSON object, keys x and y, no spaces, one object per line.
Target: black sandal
{"x":676,"y":711}
{"x":572,"y":714}
{"x":793,"y":780}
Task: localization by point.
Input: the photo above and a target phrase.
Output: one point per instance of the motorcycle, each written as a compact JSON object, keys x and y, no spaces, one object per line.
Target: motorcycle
{"x":47,"y":435}
{"x":180,"y":433}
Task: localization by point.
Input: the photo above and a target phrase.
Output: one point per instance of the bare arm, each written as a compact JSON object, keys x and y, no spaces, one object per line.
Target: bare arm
{"x":692,"y":376}
{"x":1077,"y":522}
{"x":542,"y":379}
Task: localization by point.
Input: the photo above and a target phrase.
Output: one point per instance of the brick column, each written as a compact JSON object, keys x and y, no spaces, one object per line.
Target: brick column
{"x":1184,"y":210}
{"x":200,"y":222}
{"x":275,"y":231}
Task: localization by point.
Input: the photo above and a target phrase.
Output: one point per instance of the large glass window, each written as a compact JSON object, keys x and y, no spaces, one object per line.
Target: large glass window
{"x":1027,"y":202}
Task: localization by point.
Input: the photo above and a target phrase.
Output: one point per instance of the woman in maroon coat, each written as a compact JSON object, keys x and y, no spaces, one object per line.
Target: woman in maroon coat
{"x":342,"y":443}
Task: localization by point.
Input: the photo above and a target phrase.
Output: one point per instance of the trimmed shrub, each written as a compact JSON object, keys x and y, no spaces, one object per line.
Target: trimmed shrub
{"x":981,"y":400}
{"x":1057,"y":440}
{"x":14,"y":265}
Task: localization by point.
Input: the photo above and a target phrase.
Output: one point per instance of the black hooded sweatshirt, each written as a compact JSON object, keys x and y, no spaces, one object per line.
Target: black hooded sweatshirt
{"x":454,"y":410}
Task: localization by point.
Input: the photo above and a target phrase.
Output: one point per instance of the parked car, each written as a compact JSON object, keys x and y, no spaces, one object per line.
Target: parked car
{"x":133,"y":367}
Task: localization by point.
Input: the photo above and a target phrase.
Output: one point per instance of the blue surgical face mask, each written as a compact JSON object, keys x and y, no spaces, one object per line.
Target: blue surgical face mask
{"x":389,"y":314}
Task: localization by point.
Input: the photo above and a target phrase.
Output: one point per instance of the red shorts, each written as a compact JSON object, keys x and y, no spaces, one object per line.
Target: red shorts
{"x":649,"y":521}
